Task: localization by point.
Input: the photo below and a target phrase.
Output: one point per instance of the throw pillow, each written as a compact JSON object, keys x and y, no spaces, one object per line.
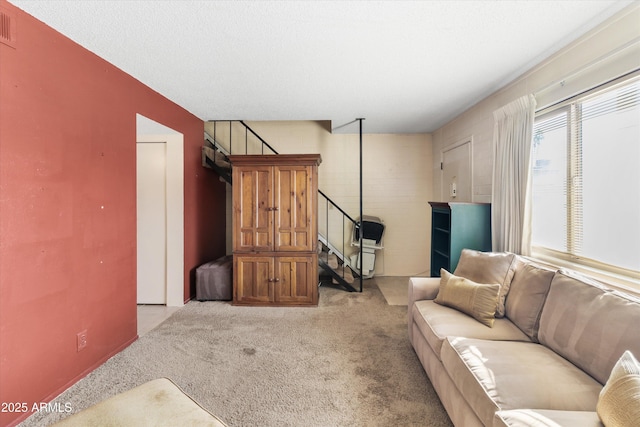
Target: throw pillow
{"x":474,"y":299}
{"x":527,"y":294}
{"x":488,"y":267}
{"x":619,"y":401}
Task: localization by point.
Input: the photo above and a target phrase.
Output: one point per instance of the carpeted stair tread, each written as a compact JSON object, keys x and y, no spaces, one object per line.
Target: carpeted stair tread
{"x":333,"y":261}
{"x":345,"y":273}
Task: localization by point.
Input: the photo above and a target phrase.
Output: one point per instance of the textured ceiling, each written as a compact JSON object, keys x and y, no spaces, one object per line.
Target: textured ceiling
{"x":407,"y":67}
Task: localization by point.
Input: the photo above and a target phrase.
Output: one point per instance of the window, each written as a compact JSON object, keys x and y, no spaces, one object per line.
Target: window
{"x":586,"y":179}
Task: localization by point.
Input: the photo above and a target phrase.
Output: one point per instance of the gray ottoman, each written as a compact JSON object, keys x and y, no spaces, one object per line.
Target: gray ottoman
{"x":213,"y":280}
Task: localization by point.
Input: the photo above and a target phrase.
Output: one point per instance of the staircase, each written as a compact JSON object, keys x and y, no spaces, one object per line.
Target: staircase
{"x":215,"y":157}
{"x":334,"y":226}
{"x":334,"y":222}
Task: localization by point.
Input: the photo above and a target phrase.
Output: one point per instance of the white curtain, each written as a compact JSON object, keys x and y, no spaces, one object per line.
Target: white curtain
{"x":511,"y":204}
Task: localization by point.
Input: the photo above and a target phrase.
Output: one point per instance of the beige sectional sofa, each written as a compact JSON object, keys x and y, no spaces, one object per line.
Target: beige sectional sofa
{"x":554,"y":339}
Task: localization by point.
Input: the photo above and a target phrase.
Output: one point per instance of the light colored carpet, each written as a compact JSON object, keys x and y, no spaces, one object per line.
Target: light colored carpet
{"x":395,"y":289}
{"x":347,"y":362}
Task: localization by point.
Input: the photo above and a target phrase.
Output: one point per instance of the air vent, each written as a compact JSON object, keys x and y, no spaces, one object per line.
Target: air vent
{"x":7,"y":28}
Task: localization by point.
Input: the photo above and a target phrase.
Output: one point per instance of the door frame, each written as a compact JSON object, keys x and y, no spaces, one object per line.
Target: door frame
{"x":457,"y":144}
{"x":151,"y":131}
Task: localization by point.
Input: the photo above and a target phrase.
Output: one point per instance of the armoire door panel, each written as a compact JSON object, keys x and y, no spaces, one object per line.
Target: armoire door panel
{"x":293,"y":196}
{"x":295,"y":280}
{"x":254,"y":282}
{"x":252,"y":203}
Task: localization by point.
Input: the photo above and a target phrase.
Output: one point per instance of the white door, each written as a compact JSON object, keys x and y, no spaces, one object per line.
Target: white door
{"x":151,"y":160}
{"x":456,"y":173}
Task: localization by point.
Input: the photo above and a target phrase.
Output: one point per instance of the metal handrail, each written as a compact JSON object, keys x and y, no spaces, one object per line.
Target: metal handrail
{"x":264,"y":143}
{"x":337,"y":207}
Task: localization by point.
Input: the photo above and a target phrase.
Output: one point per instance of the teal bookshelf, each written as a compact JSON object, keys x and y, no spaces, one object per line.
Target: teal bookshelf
{"x":456,"y":226}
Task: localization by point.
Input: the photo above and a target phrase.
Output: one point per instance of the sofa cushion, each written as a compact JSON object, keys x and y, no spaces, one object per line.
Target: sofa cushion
{"x":488,"y":267}
{"x":501,"y":375}
{"x":546,"y":418}
{"x":437,"y":322}
{"x":527,"y":294}
{"x":619,"y":402}
{"x":589,"y":325}
{"x":477,"y":300}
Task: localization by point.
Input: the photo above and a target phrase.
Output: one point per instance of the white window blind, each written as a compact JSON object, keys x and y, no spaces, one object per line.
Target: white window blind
{"x":586,"y":179}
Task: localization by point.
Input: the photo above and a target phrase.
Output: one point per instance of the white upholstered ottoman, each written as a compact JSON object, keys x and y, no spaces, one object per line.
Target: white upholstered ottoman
{"x":156,"y":403}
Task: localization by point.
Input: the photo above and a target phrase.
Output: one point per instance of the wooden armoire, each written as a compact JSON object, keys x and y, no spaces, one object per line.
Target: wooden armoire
{"x":275,"y":229}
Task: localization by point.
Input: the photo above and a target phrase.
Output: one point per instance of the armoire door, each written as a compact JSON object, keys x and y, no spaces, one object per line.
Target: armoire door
{"x":253,"y":209}
{"x":295,"y":280}
{"x":253,"y":277}
{"x":294,"y":208}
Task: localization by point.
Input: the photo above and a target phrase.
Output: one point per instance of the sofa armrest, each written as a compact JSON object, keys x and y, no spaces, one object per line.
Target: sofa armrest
{"x":422,"y":288}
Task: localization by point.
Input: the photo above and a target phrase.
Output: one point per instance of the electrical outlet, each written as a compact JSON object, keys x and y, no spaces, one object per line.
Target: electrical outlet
{"x":82,"y":340}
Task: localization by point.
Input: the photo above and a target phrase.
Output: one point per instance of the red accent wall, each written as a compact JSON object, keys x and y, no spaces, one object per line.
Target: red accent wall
{"x":68,"y":209}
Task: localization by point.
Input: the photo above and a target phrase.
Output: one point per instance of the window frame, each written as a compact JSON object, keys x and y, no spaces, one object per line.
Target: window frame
{"x":618,"y":277}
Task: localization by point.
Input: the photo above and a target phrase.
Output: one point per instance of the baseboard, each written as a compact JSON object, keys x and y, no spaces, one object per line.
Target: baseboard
{"x":77,"y":378}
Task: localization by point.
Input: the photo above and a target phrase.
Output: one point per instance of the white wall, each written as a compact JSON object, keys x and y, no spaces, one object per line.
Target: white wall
{"x":608,"y":51}
{"x":396,"y":183}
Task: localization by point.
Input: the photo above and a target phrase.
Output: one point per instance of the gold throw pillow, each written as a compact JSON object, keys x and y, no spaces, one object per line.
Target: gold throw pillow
{"x":477,"y":300}
{"x":619,"y":401}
